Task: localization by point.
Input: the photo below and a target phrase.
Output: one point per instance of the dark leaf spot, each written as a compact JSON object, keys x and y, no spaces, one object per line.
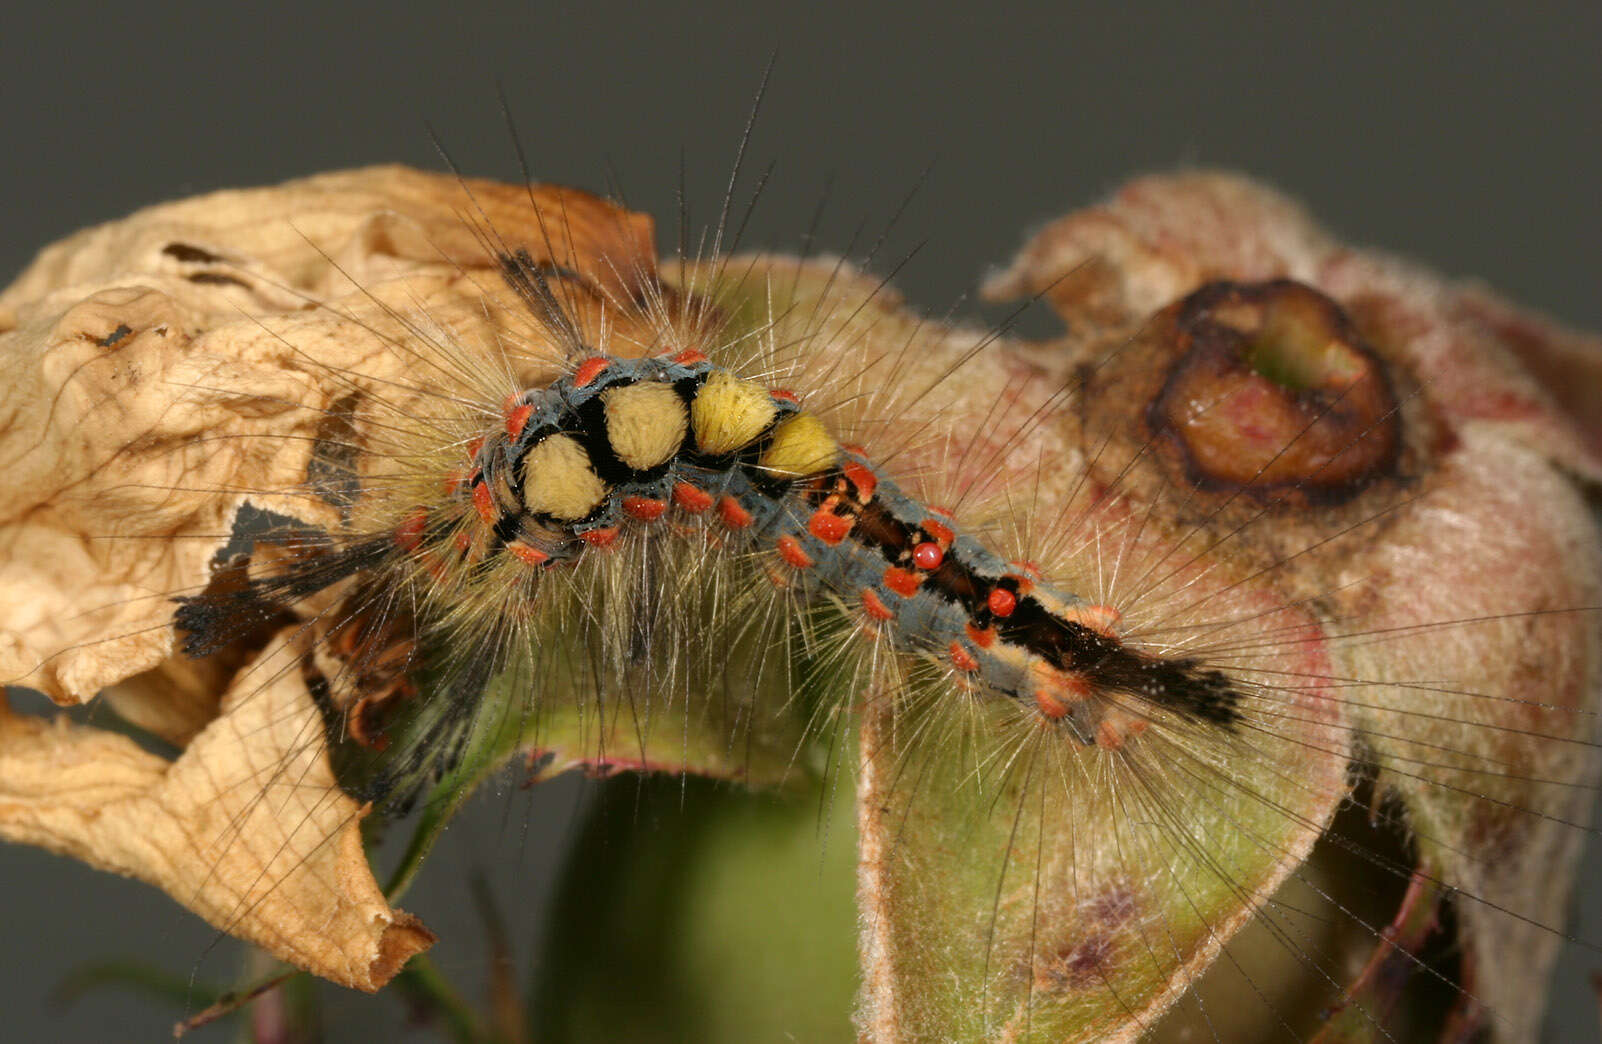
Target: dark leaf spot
{"x":191,"y":254}
{"x":217,"y":279}
{"x":115,"y":337}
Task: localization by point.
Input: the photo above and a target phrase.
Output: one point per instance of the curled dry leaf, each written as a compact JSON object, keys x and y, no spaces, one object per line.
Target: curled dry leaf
{"x":157,"y":370}
{"x":221,"y":829}
{"x":147,"y":362}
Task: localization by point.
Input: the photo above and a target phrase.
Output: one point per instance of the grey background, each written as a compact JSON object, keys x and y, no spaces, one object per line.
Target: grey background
{"x":1463,"y":134}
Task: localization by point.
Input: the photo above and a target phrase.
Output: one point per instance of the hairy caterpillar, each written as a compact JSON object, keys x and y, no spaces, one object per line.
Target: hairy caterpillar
{"x":1243,"y":721}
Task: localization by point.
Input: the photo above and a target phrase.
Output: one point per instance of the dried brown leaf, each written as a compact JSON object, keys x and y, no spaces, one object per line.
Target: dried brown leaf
{"x":159,"y":374}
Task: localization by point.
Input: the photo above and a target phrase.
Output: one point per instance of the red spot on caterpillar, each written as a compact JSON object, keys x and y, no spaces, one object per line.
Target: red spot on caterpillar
{"x":854,"y":448}
{"x":902,"y":581}
{"x":691,"y":498}
{"x":599,"y":537}
{"x":590,"y":369}
{"x":927,"y":556}
{"x":646,"y":509}
{"x":1050,"y":705}
{"x":939,"y":531}
{"x":1001,"y":601}
{"x":688,"y":357}
{"x":791,"y":551}
{"x":864,"y":480}
{"x":485,"y":503}
{"x":1099,"y":618}
{"x":1056,"y":691}
{"x":962,"y":659}
{"x":531,"y":556}
{"x":732,"y":514}
{"x":462,"y":540}
{"x":517,"y":418}
{"x":784,"y":394}
{"x":827,"y":526}
{"x":409,"y":534}
{"x":1115,"y":730}
{"x":474,"y":446}
{"x":983,"y":637}
{"x":874,"y":606}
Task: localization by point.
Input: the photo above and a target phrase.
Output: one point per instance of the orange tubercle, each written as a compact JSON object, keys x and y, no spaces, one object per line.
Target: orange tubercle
{"x":862,"y":478}
{"x":484,"y":503}
{"x":1056,"y":691}
{"x":983,"y":637}
{"x":828,"y":527}
{"x":1099,"y":618}
{"x":793,"y":553}
{"x":940,"y":531}
{"x":1117,"y":728}
{"x":516,"y":418}
{"x":732,"y":514}
{"x":691,"y":498}
{"x":599,"y":537}
{"x":962,"y":659}
{"x":646,"y":509}
{"x":1050,"y":705}
{"x":531,"y":556}
{"x":590,"y":369}
{"x":902,"y":581}
{"x":874,"y":606}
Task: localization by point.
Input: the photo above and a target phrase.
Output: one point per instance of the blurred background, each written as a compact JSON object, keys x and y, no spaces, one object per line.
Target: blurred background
{"x":1463,"y":134}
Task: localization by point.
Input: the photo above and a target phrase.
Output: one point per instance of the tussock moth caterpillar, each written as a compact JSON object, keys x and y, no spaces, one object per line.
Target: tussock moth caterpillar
{"x":1122,"y":710}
